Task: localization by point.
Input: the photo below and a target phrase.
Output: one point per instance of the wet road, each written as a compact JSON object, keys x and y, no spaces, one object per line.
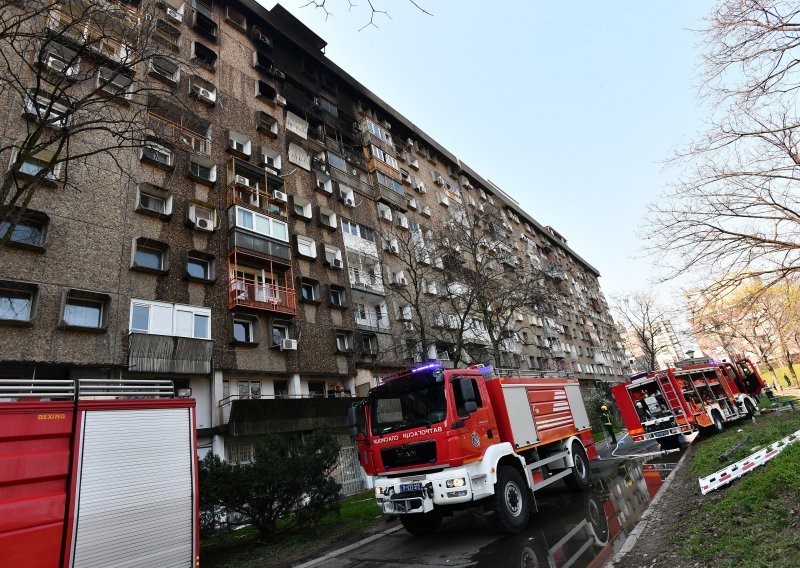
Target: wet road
{"x":569,"y":530}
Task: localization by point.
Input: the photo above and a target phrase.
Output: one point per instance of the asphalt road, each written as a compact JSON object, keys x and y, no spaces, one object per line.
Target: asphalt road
{"x":569,"y":529}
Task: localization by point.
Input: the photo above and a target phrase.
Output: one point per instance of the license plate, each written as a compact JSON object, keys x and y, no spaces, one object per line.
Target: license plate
{"x":659,"y":434}
{"x":410,"y":487}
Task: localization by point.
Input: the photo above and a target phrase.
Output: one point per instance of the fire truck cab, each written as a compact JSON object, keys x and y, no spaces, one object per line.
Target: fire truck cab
{"x":698,"y":393}
{"x":437,"y":440}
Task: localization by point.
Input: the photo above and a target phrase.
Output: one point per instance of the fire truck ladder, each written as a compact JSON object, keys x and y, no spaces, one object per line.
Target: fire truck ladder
{"x":672,"y":397}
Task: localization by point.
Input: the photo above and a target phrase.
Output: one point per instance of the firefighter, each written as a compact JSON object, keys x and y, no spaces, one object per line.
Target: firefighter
{"x":606,"y":416}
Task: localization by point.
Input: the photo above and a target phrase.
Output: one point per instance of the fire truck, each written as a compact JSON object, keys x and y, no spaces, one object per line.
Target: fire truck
{"x":438,"y":440}
{"x":698,"y":393}
{"x":97,"y":473}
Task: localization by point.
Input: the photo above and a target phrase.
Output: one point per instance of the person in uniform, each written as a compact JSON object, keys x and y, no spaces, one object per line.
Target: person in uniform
{"x":606,"y":416}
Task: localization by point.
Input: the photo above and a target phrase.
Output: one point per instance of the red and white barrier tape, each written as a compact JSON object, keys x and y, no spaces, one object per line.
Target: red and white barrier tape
{"x":738,"y":469}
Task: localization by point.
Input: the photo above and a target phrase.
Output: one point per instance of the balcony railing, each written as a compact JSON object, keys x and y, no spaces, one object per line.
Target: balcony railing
{"x":371,"y":322}
{"x":224,"y":405}
{"x":166,"y":129}
{"x":268,"y":297}
{"x":374,"y":286}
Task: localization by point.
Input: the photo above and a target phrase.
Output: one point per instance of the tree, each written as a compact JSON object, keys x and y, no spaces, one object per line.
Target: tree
{"x":644,"y":320}
{"x":375,"y":11}
{"x":78,"y":69}
{"x":735,"y":214}
{"x":290,"y":481}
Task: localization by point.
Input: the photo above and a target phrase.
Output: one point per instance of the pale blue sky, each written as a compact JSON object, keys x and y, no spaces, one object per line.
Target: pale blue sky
{"x":570,"y":107}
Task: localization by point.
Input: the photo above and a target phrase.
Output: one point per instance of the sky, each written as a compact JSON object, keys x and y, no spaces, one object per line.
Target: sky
{"x":571,"y":108}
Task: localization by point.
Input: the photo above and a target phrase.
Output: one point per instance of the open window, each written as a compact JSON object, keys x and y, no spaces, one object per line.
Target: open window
{"x":204,"y":55}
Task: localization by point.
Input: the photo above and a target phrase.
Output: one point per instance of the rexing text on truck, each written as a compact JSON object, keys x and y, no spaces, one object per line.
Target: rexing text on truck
{"x":439,"y":440}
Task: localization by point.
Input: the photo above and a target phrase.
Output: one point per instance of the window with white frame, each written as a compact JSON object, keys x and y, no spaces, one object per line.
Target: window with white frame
{"x":262,"y":224}
{"x":165,"y":69}
{"x":154,"y":200}
{"x":239,"y":143}
{"x":384,"y":212}
{"x":60,"y":59}
{"x":43,"y":107}
{"x":333,"y":256}
{"x":379,"y":132}
{"x":158,"y":153}
{"x":203,"y":216}
{"x":271,"y":159}
{"x":38,"y":163}
{"x":114,"y":83}
{"x":280,"y":331}
{"x":309,"y":290}
{"x":344,"y":341}
{"x":84,"y":309}
{"x":369,"y":344}
{"x":204,"y":90}
{"x":160,"y":318}
{"x":306,"y":246}
{"x":327,"y":217}
{"x":336,"y":296}
{"x":301,"y":207}
{"x":202,"y":169}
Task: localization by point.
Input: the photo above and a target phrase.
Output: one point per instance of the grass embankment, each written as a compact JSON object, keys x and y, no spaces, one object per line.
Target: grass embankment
{"x":241,"y":548}
{"x":754,"y":521}
{"x":778,"y":377}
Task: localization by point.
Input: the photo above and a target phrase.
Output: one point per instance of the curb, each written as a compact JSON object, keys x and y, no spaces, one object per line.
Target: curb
{"x":348,"y":548}
{"x":630,"y":542}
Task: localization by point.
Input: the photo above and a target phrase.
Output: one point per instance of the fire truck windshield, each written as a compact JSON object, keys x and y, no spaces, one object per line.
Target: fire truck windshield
{"x":408,"y":403}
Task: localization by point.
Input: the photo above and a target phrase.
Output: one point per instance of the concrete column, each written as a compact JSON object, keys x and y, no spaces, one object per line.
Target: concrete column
{"x":218,"y":445}
{"x":295,"y":386}
{"x":216,"y":396}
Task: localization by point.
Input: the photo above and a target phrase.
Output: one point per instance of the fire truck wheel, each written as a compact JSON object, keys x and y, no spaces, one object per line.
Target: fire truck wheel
{"x":510,"y":502}
{"x":579,"y":480}
{"x":421,"y":523}
{"x":718,"y":426}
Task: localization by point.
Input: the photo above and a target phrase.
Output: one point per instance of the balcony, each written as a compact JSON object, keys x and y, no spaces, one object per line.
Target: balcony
{"x":149,"y":353}
{"x":181,"y":133}
{"x":381,"y":192}
{"x":240,"y":241}
{"x":351,"y":181}
{"x":370,"y":321}
{"x":248,"y":415}
{"x":243,"y":292}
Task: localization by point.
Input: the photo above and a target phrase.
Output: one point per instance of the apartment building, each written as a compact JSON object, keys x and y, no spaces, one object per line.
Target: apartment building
{"x":244,"y":252}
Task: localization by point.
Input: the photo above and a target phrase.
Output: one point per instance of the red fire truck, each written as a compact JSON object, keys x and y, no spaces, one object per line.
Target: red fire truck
{"x":95,"y":473}
{"x":695,"y":393}
{"x":438,"y":440}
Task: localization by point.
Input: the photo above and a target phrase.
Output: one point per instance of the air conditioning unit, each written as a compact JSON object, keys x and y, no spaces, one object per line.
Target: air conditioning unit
{"x":279,"y":196}
{"x":255,"y":199}
{"x":205,"y":94}
{"x":288,"y":345}
{"x":241,"y":180}
{"x":401,"y":280}
{"x":404,"y":222}
{"x":394,"y":248}
{"x":349,"y":202}
{"x":203,"y":224}
{"x":386,"y":214}
{"x":421,"y":188}
{"x":336,"y":263}
{"x":439,"y":180}
{"x":174,"y":14}
{"x":408,"y":326}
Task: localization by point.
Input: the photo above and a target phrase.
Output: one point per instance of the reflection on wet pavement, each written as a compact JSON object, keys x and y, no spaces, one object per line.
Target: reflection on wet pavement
{"x":583,"y":529}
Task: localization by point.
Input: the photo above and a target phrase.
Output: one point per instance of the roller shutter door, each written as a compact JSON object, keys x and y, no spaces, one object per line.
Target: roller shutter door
{"x":135,"y":501}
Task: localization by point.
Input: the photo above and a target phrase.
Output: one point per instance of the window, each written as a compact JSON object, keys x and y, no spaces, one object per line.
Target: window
{"x":154,"y":200}
{"x":202,"y":89}
{"x":114,"y":83}
{"x":327,"y":218}
{"x":60,"y":59}
{"x":369,"y":344}
{"x":233,"y":16}
{"x":309,"y":290}
{"x":204,"y":55}
{"x":301,"y":207}
{"x":280,"y":331}
{"x":266,"y":123}
{"x":150,"y":255}
{"x":316,"y":389}
{"x":459,"y":400}
{"x":262,"y":224}
{"x":336,"y":296}
{"x":239,"y":144}
{"x":168,"y":33}
{"x":41,"y":163}
{"x":30,"y":230}
{"x":306,"y":246}
{"x":328,"y":106}
{"x":202,"y":169}
{"x":337,"y":161}
{"x":349,"y":227}
{"x":200,"y":266}
{"x":243,"y":330}
{"x":203,"y":216}
{"x":17,"y":301}
{"x":379,"y":132}
{"x":84,"y":309}
{"x":389,"y":182}
{"x":158,"y":153}
{"x":344,"y":341}
{"x":165,"y":69}
{"x":271,"y":159}
{"x":159,"y":318}
{"x":333,"y":256}
{"x":43,"y":107}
